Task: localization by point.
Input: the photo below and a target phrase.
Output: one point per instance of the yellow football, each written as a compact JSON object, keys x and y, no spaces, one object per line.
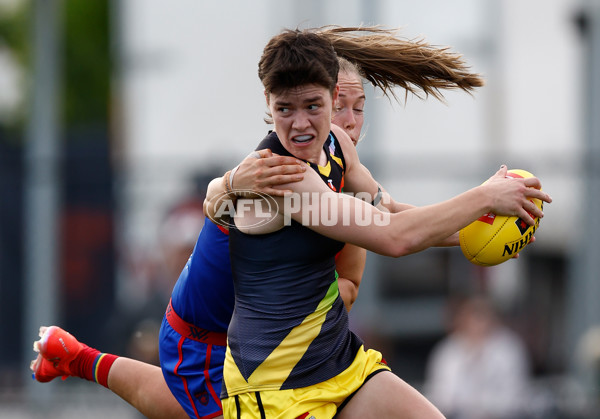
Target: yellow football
{"x":493,"y":239}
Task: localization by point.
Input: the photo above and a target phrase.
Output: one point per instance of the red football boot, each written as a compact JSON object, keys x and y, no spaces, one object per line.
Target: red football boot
{"x":57,"y":348}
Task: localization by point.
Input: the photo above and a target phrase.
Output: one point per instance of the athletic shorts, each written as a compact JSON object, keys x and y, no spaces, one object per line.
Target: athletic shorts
{"x":319,"y":401}
{"x":192,"y":360}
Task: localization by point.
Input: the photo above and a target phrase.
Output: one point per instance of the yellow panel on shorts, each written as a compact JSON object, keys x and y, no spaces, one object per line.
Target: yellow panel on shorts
{"x":319,"y":400}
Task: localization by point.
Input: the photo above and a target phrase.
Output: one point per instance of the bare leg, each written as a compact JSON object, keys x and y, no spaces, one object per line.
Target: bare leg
{"x":140,"y":384}
{"x":387,"y":396}
{"x":143,"y":386}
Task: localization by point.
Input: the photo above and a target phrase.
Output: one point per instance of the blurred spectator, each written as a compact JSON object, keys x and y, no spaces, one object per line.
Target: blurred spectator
{"x":178,"y":234}
{"x":481,"y":369}
{"x":588,"y":360}
{"x":134,"y":327}
{"x":177,"y":237}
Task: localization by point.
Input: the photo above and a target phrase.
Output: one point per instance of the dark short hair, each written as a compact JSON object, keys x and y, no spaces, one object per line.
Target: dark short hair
{"x":294,"y":58}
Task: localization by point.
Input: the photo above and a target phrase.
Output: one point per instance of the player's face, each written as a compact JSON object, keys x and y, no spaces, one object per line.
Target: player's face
{"x":348,"y":108}
{"x":302,"y":119}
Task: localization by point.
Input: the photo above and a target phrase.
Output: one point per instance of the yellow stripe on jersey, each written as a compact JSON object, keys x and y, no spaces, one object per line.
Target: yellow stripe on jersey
{"x":325,"y":170}
{"x":274,"y":370}
{"x":337,"y":160}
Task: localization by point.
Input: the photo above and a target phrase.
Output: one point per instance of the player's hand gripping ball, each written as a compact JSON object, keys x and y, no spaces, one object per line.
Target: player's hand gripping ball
{"x":493,"y":239}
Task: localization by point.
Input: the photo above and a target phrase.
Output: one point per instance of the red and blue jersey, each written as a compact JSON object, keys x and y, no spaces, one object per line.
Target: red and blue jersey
{"x":203,"y":294}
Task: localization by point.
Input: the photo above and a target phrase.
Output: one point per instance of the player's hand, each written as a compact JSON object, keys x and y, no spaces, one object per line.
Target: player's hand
{"x":512,"y":197}
{"x":262,"y":170}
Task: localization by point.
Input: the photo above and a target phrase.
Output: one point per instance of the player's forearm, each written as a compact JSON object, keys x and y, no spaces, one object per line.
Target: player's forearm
{"x":394,"y":207}
{"x":217,"y":195}
{"x":350,"y":265}
{"x":348,"y":292}
{"x":449,"y":241}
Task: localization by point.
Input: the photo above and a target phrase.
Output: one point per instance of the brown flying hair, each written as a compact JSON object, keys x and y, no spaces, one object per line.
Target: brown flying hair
{"x":296,"y":57}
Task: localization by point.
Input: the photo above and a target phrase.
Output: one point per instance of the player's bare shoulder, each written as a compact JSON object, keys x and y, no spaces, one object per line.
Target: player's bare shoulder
{"x":357,"y":177}
{"x":348,"y":148}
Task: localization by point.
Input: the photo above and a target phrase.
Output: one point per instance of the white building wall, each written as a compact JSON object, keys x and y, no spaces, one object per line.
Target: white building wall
{"x":191,"y":97}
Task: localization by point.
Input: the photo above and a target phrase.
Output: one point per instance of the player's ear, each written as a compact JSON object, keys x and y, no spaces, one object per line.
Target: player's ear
{"x":335,"y":94}
{"x":266,"y":97}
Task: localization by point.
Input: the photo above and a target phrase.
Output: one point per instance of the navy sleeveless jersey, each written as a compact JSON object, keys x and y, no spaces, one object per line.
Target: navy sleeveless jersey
{"x":290,"y":327}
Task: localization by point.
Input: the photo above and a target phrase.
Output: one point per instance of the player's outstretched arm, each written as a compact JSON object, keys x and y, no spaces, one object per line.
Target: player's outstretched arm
{"x":414,"y":229}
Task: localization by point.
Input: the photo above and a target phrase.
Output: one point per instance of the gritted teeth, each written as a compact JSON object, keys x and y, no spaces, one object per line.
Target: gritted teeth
{"x":303,"y":138}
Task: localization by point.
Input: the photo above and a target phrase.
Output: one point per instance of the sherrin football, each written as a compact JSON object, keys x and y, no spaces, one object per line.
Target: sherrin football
{"x":493,"y":239}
